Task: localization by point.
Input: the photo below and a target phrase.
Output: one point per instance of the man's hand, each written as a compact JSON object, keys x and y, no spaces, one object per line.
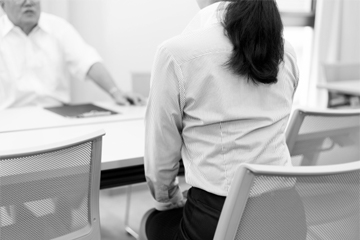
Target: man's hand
{"x":128,"y":98}
{"x":100,"y":75}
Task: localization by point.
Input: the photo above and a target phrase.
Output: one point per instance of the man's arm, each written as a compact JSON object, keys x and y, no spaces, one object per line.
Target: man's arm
{"x":83,"y":61}
{"x":101,"y":76}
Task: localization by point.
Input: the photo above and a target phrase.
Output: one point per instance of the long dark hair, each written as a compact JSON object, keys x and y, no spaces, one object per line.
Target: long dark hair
{"x":255,"y":29}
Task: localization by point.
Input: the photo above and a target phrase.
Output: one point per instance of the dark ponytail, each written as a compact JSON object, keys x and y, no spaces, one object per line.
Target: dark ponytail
{"x":255,"y":29}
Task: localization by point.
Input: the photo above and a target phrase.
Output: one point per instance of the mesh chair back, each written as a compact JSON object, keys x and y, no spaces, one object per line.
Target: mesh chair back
{"x":51,"y":192}
{"x":282,"y":203}
{"x":324,"y":137}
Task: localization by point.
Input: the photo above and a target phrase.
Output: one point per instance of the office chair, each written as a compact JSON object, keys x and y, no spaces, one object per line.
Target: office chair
{"x":339,"y":71}
{"x":297,"y":203}
{"x":322,"y":137}
{"x":282,"y":203}
{"x":52,"y":192}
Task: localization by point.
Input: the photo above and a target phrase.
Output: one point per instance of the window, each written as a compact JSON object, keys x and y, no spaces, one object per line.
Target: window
{"x":299,"y":18}
{"x":295,"y":5}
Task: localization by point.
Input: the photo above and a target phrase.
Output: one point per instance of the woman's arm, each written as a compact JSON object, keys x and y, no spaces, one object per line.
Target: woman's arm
{"x":163,"y":140}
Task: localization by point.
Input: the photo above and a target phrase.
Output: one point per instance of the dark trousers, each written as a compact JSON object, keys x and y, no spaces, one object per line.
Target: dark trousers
{"x":197,"y":220}
{"x":274,"y":215}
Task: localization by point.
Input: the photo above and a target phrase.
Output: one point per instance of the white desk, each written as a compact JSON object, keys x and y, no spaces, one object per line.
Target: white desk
{"x":351,"y":87}
{"x":123,"y":144}
{"x":32,"y":118}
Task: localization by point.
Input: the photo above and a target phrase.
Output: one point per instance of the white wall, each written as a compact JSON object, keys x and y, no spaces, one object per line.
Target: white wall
{"x":57,"y":7}
{"x":126,"y":33}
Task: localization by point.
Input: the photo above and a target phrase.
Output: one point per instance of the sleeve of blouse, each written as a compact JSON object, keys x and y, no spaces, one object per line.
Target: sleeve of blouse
{"x":163,"y":126}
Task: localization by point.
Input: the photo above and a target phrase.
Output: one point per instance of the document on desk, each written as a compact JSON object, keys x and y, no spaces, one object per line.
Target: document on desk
{"x":81,"y":111}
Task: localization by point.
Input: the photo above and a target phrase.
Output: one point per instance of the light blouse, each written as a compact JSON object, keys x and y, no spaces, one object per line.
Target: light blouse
{"x":214,"y":120}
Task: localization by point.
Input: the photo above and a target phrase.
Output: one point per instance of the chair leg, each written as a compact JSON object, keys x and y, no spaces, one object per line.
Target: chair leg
{"x":329,"y":100}
{"x":128,"y":229}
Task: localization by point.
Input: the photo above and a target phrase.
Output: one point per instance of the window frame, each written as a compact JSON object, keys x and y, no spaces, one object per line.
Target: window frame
{"x":300,"y":19}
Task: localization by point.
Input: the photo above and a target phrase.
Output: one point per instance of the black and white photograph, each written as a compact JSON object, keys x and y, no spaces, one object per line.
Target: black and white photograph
{"x":179,"y":119}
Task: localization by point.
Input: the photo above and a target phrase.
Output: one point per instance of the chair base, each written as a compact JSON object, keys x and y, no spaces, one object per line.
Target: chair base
{"x":131,"y":232}
{"x":142,"y":230}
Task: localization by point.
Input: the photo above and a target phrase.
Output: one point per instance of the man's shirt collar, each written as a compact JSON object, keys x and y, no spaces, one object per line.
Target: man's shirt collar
{"x":43,"y":25}
{"x":8,"y":26}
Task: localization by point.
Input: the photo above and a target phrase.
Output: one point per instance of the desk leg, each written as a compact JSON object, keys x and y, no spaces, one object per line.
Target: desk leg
{"x":128,"y":229}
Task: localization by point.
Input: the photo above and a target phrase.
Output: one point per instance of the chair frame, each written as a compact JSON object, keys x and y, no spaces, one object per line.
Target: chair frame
{"x":239,"y":191}
{"x":298,"y":117}
{"x":88,"y":233}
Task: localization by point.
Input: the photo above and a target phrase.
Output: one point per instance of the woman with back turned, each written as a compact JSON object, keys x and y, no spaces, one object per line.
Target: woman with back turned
{"x":221,"y":95}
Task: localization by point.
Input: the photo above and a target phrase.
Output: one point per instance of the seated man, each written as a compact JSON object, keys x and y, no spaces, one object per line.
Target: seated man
{"x":40,"y":53}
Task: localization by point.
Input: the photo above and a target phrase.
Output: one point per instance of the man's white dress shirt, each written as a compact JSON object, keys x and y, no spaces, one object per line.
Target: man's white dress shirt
{"x":36,"y":69}
{"x":212,"y":119}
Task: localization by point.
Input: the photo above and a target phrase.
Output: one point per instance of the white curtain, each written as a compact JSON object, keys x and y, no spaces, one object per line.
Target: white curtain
{"x":337,"y":39}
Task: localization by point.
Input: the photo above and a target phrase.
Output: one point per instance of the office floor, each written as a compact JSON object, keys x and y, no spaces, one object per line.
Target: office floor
{"x":113,"y":205}
{"x":112,"y":211}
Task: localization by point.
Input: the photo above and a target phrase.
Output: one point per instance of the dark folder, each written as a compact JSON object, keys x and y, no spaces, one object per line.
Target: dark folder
{"x":81,"y":111}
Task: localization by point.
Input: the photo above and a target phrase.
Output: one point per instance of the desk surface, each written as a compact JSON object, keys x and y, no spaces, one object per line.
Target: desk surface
{"x":32,"y":118}
{"x":351,"y":87}
{"x":123,"y":144}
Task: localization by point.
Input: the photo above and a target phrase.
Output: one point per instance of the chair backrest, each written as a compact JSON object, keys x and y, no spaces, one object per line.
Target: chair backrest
{"x":282,"y":203}
{"x":322,"y":137}
{"x":52,"y":192}
{"x":339,"y":71}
